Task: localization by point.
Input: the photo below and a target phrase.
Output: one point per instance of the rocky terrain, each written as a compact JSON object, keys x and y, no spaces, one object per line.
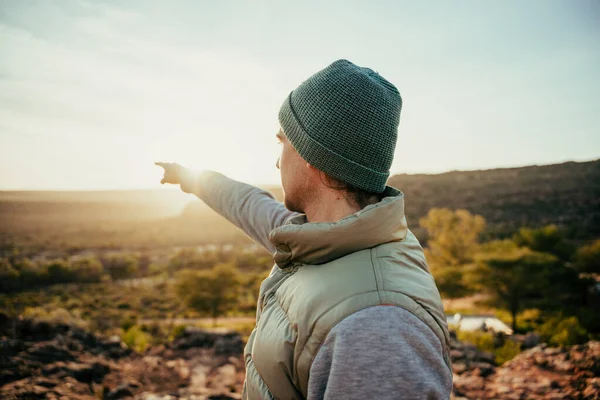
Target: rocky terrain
{"x":39,"y":360}
{"x":541,"y":372}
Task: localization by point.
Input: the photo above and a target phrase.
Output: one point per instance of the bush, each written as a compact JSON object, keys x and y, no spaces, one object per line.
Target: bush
{"x":127,"y":322}
{"x":587,"y":259}
{"x":59,"y":271}
{"x":507,"y":351}
{"x":88,"y":269}
{"x":214,"y":292}
{"x":30,"y":274}
{"x":558,"y":331}
{"x":55,"y":316}
{"x":177,"y":331}
{"x":484,"y":341}
{"x":136,"y":339}
{"x":503,"y":350}
{"x":527,"y":320}
{"x":121,"y":267}
{"x":9,"y":276}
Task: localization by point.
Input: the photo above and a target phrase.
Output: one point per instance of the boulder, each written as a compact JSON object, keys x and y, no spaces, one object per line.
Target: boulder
{"x":224,"y":344}
{"x":11,"y":347}
{"x":88,"y":373}
{"x":194,"y":337}
{"x":47,"y":352}
{"x":120,"y":392}
{"x":229,"y":344}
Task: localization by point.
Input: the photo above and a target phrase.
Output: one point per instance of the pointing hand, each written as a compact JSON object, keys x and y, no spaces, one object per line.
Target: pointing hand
{"x":174,"y":172}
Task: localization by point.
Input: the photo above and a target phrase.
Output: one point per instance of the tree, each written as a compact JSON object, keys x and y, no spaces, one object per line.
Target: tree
{"x":548,"y":239}
{"x":250,"y":289}
{"x":452,"y":236}
{"x":522,"y":278}
{"x":87,"y":269}
{"x":9,"y":276}
{"x":31,"y":274}
{"x":451,"y":247}
{"x":213,"y":292}
{"x":121,"y":267}
{"x":59,"y":271}
{"x":587,"y":258}
{"x":194,"y":259}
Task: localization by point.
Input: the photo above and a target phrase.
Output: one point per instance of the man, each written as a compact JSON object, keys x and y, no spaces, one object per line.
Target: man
{"x":349,"y":310}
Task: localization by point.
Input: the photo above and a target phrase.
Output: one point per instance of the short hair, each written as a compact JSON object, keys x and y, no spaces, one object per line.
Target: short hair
{"x":358,"y":196}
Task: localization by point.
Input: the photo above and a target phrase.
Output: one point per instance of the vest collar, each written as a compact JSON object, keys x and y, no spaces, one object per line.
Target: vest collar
{"x":300,"y":241}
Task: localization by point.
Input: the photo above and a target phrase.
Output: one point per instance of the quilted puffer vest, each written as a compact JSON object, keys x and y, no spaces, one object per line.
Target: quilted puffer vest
{"x":325,"y":272}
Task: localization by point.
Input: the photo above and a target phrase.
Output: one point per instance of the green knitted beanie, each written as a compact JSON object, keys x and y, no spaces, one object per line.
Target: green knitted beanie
{"x":344,"y":120}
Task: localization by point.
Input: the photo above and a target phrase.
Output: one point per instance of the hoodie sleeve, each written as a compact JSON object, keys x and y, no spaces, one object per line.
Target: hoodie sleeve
{"x":381,"y":352}
{"x":255,"y":211}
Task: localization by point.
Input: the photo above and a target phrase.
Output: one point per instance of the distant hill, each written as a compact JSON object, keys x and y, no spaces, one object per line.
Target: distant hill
{"x":565,"y":194}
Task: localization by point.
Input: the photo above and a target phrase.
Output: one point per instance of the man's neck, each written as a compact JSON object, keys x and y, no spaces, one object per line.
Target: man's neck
{"x":329,"y":207}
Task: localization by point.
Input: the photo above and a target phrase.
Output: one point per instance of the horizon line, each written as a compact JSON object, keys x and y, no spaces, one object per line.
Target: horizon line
{"x":268,"y":185}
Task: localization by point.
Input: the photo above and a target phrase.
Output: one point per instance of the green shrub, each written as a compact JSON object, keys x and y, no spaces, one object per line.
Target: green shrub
{"x":56,"y":316}
{"x":121,"y":266}
{"x":507,"y":351}
{"x":59,"y":271}
{"x":558,"y":331}
{"x":212,"y":292}
{"x":127,"y":322}
{"x":9,"y":276}
{"x":87,"y":269}
{"x":136,"y":339}
{"x":158,"y":333}
{"x":527,"y":320}
{"x":30,"y":274}
{"x":484,"y":341}
{"x":177,"y":331}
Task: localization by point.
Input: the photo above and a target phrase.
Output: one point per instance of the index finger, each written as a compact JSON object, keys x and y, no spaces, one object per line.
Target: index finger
{"x":162,"y":164}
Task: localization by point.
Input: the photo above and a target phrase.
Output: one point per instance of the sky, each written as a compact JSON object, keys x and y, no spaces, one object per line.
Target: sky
{"x":93,"y":92}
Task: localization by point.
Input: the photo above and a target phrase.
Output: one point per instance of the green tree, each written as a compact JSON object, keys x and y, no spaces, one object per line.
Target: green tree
{"x":31,"y":274}
{"x":549,"y":239}
{"x":87,"y":269}
{"x":250,"y":289}
{"x":213,"y":292}
{"x":522,"y":278}
{"x":59,"y":271}
{"x":587,"y":258}
{"x":451,"y":248}
{"x":9,"y":276}
{"x":562,"y":331}
{"x":190,"y":258}
{"x":121,"y":267}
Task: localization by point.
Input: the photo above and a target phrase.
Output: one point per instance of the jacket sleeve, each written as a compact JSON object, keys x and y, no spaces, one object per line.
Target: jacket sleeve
{"x":255,"y":211}
{"x":382,"y":352}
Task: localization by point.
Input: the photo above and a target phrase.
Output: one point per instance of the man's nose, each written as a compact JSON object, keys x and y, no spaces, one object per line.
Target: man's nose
{"x":277,"y":163}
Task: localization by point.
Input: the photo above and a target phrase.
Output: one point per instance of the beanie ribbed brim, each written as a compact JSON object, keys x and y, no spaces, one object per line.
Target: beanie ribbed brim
{"x":324,"y":159}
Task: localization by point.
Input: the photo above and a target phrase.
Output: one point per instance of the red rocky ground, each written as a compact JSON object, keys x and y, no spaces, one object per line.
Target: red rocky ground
{"x":52,"y":361}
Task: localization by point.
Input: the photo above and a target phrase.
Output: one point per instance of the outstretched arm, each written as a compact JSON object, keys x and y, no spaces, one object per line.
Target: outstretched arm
{"x":251,"y":209}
